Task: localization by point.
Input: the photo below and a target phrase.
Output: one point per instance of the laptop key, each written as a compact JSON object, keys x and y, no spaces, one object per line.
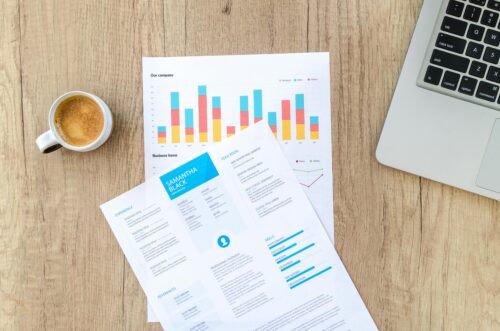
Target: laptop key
{"x":433,"y":75}
{"x":491,"y":55}
{"x":450,"y":61}
{"x":454,"y":26}
{"x":472,"y":13}
{"x":478,"y":2}
{"x":474,"y":50}
{"x":477,"y":69}
{"x":492,"y":37}
{"x":451,"y":43}
{"x":467,"y":85}
{"x":455,"y":8}
{"x":489,"y":18}
{"x":475,"y":32}
{"x":493,"y":4}
{"x":493,"y":74}
{"x":487,"y":91}
{"x":450,"y":80}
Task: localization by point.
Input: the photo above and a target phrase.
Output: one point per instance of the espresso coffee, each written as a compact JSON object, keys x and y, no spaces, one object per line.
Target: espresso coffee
{"x":79,"y":120}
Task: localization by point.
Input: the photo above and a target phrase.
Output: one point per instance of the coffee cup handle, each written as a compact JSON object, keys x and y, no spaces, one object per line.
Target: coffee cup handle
{"x":47,"y":142}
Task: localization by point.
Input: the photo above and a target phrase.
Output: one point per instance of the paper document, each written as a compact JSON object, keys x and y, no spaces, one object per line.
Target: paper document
{"x":229,"y":241}
{"x":191,"y":102}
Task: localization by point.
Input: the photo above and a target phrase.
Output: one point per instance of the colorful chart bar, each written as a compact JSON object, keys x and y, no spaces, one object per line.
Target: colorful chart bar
{"x":175,"y":117}
{"x":216,"y":119}
{"x":199,"y":122}
{"x":299,"y":117}
{"x":162,"y":135}
{"x":314,"y":120}
{"x":273,"y":123}
{"x":257,"y":106}
{"x":243,"y":112}
{"x":202,"y":113}
{"x":285,"y":120}
{"x":189,"y":122}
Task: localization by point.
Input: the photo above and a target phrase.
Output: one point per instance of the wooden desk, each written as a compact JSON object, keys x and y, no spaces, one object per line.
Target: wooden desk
{"x":423,"y":255}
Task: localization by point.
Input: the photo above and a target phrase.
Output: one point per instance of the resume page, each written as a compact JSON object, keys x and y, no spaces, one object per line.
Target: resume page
{"x":229,"y":241}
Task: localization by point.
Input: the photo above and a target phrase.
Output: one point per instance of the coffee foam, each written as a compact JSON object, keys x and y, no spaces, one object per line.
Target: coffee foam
{"x":79,"y":120}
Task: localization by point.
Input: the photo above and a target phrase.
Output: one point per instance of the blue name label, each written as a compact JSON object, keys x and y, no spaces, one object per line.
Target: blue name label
{"x":189,"y":176}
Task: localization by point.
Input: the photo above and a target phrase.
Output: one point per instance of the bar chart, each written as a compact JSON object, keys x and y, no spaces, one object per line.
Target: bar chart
{"x":193,"y":102}
{"x":286,"y":125}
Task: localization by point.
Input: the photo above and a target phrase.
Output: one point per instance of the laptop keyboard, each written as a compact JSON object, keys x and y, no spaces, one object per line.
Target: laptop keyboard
{"x":464,"y":53}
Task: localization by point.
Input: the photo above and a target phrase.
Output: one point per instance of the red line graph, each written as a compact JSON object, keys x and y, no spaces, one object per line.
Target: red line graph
{"x":313,"y":182}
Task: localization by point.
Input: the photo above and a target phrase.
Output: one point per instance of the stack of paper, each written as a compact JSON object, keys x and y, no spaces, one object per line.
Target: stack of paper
{"x":192,"y":102}
{"x":227,"y":240}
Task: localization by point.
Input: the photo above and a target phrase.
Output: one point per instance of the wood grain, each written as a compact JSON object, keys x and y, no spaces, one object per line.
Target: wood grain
{"x":423,"y":255}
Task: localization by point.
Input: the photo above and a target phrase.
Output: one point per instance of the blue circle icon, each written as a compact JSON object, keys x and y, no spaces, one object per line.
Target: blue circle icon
{"x":223,"y":241}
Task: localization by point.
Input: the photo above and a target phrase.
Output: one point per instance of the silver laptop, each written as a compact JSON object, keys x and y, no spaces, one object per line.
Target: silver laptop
{"x":444,"y":119}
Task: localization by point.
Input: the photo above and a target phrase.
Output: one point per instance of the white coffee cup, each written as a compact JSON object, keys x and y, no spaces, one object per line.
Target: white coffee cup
{"x":51,"y":140}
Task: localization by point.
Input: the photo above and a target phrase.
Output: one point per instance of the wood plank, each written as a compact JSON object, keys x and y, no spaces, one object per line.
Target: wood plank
{"x":14,"y":199}
{"x":149,"y":27}
{"x":459,"y":278}
{"x":228,"y":27}
{"x":377,"y":210}
{"x":174,"y":23}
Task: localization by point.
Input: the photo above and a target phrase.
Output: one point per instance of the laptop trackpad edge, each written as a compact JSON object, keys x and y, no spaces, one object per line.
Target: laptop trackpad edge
{"x":489,"y":173}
